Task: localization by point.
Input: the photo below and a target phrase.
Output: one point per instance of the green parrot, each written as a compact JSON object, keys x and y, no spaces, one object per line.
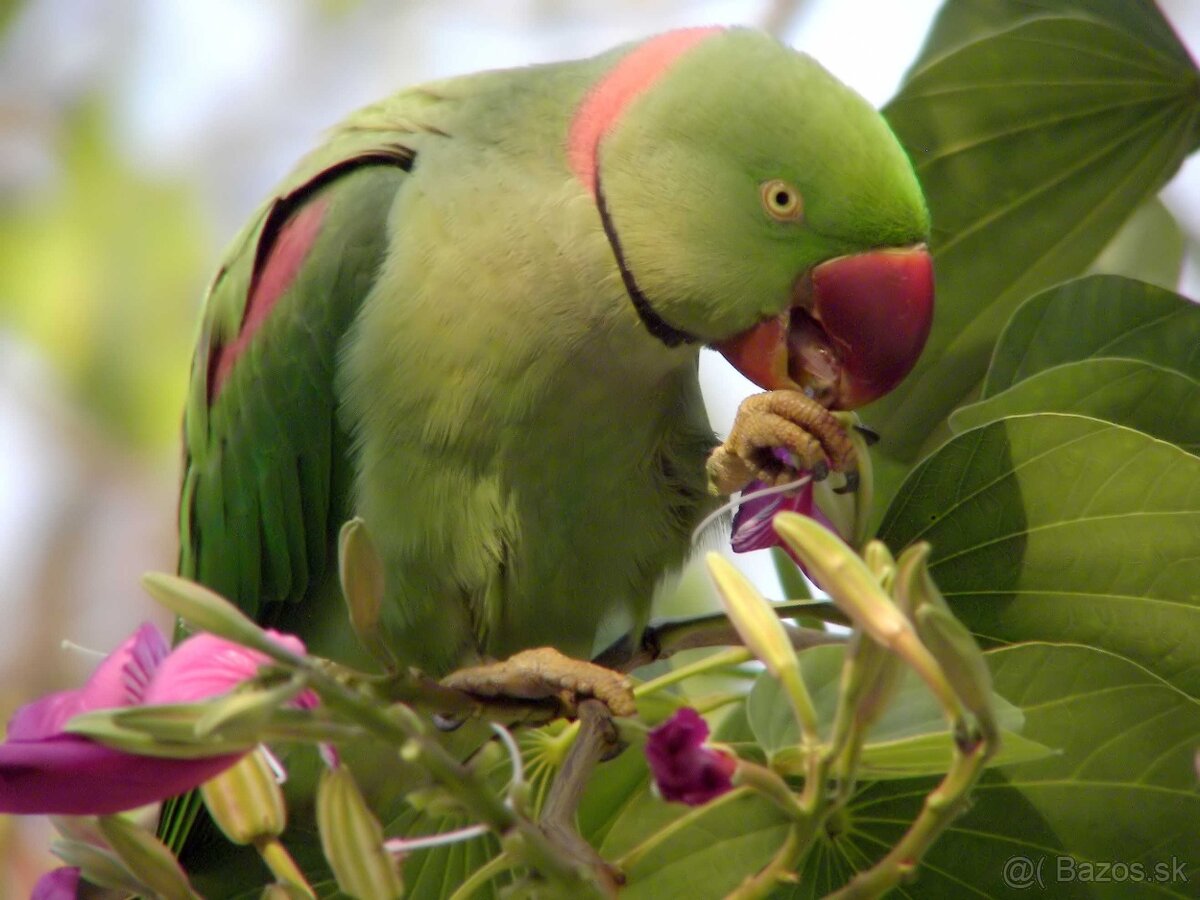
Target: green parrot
{"x":473,"y":318}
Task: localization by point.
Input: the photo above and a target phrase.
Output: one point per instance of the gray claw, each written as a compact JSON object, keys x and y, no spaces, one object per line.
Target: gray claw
{"x":851,"y":484}
{"x":868,"y":434}
{"x":820,"y":471}
{"x":447,"y":722}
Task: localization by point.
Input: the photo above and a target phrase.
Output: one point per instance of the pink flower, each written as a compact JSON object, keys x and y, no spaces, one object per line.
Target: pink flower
{"x":752,"y":522}
{"x":684,"y":770}
{"x":57,"y":884}
{"x":44,"y":769}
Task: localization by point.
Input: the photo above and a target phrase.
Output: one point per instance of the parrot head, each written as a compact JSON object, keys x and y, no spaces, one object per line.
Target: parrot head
{"x":759,"y":206}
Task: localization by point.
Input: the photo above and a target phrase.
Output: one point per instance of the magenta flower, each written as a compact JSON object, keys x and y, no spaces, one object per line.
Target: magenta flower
{"x":57,"y":884}
{"x":752,"y":528}
{"x":44,"y":769}
{"x":684,"y":770}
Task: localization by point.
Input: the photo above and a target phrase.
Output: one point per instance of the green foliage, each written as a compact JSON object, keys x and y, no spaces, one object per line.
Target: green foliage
{"x":1093,"y":319}
{"x":1121,"y":787}
{"x":1061,"y":506}
{"x":1064,"y":528}
{"x":1036,"y":130}
{"x":1064,"y":506}
{"x":911,"y":738}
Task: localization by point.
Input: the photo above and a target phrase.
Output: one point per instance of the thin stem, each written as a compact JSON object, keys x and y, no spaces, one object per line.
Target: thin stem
{"x":281,"y":864}
{"x":732,"y":657}
{"x":802,"y":705}
{"x":785,"y":861}
{"x":942,"y":806}
{"x":711,"y":703}
{"x":405,"y":729}
{"x":483,"y":875}
{"x":770,"y":785}
{"x":595,"y":741}
{"x":665,"y":638}
{"x":814,"y":807}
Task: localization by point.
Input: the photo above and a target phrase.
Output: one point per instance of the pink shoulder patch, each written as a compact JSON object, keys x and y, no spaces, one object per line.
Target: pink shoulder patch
{"x":287,"y":255}
{"x":608,"y":99}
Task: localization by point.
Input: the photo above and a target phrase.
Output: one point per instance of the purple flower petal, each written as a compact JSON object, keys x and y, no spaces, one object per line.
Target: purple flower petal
{"x":70,"y":775}
{"x":43,"y":770}
{"x":206,"y":666}
{"x":120,"y":680}
{"x":57,"y":884}
{"x":752,"y":523}
{"x":684,"y":770}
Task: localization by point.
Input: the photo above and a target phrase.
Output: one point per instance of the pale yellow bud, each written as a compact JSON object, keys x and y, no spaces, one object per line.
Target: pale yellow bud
{"x":246,"y":801}
{"x":147,"y":858}
{"x":361,"y":573}
{"x":352,"y":839}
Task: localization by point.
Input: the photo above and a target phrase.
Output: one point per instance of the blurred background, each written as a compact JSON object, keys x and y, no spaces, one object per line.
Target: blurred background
{"x":135,"y":137}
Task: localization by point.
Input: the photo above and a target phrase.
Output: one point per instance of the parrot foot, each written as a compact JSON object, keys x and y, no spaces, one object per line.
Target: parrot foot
{"x":544,"y":672}
{"x":781,"y":420}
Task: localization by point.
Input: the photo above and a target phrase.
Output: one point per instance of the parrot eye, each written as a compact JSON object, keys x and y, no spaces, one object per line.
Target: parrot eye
{"x":781,"y":201}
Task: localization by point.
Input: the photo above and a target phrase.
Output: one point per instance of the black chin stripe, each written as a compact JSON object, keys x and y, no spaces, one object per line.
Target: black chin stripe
{"x":655,"y":324}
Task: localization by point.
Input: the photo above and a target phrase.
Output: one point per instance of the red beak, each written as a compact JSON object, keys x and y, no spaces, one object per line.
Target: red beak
{"x":855,"y":328}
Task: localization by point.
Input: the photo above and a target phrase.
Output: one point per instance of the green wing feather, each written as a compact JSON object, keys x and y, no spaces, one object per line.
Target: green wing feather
{"x":266,"y":475}
{"x":264,"y":480}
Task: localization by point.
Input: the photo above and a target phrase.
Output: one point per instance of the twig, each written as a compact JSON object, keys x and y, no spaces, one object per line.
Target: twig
{"x":942,"y":806}
{"x":405,"y":729}
{"x":662,"y":640}
{"x":596,"y":740}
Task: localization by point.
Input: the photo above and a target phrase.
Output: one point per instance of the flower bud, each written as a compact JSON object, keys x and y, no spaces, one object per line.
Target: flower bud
{"x":751,"y":614}
{"x":361,"y":573}
{"x":881,"y":563}
{"x":857,"y":592}
{"x":98,"y":866}
{"x":953,"y":646}
{"x":147,"y":858}
{"x":352,"y":839}
{"x":841,"y":572}
{"x":873,"y":677}
{"x":913,"y":586}
{"x":763,"y":633}
{"x":209,"y":611}
{"x":246,"y":711}
{"x":246,"y":801}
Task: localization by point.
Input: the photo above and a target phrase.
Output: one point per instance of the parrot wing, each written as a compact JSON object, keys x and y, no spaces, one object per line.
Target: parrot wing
{"x":266,"y":476}
{"x":264,"y":470}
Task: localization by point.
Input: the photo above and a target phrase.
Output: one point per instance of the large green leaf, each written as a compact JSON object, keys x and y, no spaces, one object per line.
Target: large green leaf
{"x":671,"y":850}
{"x":1122,"y":789}
{"x":1097,"y":316}
{"x":1064,"y":528}
{"x":1161,"y":402}
{"x":960,"y":21}
{"x":1034,"y":144}
{"x":707,"y":851}
{"x":911,"y":738}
